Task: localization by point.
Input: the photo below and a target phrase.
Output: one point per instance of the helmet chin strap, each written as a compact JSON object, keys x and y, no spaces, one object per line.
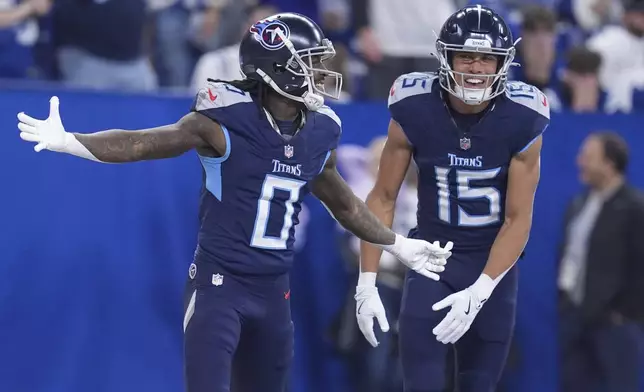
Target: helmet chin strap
{"x":310,"y":99}
{"x":313,"y":101}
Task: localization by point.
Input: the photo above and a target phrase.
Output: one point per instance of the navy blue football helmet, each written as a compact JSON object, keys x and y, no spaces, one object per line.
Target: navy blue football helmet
{"x":475,"y":29}
{"x":287,"y":52}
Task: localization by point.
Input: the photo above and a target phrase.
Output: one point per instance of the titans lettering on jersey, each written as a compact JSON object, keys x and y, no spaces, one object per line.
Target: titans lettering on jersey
{"x":252,"y":195}
{"x":462,"y":183}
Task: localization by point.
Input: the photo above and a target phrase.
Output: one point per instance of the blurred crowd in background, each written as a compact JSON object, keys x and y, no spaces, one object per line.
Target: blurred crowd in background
{"x":587,"y":55}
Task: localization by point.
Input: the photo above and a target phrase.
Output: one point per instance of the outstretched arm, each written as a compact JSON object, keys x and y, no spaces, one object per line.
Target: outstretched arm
{"x":194,"y":130}
{"x":347,"y":208}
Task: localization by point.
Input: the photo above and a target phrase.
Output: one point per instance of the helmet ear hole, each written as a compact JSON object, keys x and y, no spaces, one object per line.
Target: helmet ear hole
{"x":248,"y":69}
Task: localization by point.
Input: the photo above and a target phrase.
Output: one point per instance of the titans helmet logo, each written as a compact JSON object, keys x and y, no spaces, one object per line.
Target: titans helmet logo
{"x":265,"y":32}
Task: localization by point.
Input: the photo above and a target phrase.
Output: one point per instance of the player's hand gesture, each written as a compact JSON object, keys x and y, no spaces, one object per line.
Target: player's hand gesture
{"x":368,"y":307}
{"x":465,"y":305}
{"x":421,"y":256}
{"x":47,"y":134}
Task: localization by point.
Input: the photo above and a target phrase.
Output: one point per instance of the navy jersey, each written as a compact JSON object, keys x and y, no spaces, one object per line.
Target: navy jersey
{"x":463,"y":176}
{"x":252,"y":195}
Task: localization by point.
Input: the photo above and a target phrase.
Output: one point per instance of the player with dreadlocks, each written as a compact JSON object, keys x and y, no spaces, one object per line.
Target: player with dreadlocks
{"x":264,"y":142}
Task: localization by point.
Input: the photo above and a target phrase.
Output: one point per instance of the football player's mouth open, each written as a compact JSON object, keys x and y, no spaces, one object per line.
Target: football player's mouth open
{"x":472,"y":81}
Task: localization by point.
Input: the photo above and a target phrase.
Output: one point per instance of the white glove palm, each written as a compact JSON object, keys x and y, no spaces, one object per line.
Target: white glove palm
{"x":47,"y":134}
{"x":465,"y":304}
{"x":465,"y":307}
{"x":368,"y":307}
{"x":421,"y":256}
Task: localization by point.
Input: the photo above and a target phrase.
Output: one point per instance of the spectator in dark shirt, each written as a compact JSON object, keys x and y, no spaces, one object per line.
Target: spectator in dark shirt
{"x":537,"y":48}
{"x":580,"y":90}
{"x":100,"y":44}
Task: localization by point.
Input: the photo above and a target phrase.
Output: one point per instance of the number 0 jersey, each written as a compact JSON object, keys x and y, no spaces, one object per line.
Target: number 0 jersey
{"x":252,"y":195}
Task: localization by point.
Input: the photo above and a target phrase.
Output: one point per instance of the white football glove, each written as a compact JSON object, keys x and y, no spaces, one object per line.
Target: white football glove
{"x":369,"y":306}
{"x":465,"y":305}
{"x":421,"y":256}
{"x":47,"y":134}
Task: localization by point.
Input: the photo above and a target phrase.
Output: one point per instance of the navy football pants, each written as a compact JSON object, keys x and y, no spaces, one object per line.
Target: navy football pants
{"x":480,"y":355}
{"x":237,"y":332}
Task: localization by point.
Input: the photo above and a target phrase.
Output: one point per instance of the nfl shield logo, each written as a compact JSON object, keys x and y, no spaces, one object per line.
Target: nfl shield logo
{"x":217,"y":279}
{"x":288,"y":151}
{"x":466,"y":143}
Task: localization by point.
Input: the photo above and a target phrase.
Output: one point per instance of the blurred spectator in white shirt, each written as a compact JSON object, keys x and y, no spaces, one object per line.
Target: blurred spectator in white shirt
{"x":397,"y":37}
{"x":621,"y":47}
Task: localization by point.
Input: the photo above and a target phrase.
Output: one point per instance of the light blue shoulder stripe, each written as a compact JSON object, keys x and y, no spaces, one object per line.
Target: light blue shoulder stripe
{"x":326,"y":158}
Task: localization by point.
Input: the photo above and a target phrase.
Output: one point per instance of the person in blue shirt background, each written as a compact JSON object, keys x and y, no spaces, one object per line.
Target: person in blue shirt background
{"x":19,"y":32}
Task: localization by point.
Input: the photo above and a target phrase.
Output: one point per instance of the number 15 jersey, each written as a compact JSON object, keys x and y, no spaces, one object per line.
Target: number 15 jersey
{"x":463,"y":176}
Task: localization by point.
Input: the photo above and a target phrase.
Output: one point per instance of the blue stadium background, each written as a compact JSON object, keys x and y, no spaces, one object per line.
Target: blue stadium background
{"x":93,"y":258}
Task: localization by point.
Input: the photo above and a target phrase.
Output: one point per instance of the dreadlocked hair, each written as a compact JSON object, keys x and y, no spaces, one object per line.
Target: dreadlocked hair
{"x":248,"y":85}
{"x":252,"y":86}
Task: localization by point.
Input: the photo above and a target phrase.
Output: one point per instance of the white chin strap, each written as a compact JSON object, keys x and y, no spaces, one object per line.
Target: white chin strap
{"x":472,"y":96}
{"x":310,"y":99}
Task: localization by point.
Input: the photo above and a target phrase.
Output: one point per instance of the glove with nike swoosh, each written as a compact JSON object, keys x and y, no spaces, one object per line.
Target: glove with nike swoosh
{"x":465,"y":305}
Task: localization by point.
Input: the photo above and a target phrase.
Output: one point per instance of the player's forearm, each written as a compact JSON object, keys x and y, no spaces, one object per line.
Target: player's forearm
{"x":369,"y":254}
{"x":118,"y":146}
{"x":363,"y":223}
{"x":348,"y":209}
{"x":508,"y":246}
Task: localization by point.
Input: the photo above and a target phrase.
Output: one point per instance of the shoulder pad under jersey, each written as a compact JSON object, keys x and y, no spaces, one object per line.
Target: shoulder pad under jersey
{"x":533,"y":99}
{"x":217,"y":95}
{"x":411,"y":84}
{"x":330,"y":113}
{"x":528,"y":96}
{"x":331,"y":126}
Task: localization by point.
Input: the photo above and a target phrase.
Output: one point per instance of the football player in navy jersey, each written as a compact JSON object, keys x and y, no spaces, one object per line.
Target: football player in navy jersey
{"x":476,"y":139}
{"x":264,"y":142}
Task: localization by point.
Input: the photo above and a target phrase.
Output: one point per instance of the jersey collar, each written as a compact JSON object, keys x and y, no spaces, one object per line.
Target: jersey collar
{"x":301,"y":117}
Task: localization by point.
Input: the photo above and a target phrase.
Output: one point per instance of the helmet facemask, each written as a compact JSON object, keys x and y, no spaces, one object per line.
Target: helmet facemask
{"x":454,"y":82}
{"x":318,"y":81}
{"x":309,"y":63}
